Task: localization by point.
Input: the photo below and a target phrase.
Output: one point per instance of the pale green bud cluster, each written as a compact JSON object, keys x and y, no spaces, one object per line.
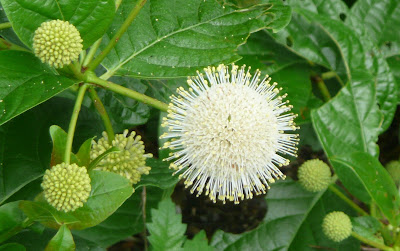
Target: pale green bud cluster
{"x":314,"y":175}
{"x":337,"y":226}
{"x":57,"y":43}
{"x":130,"y":162}
{"x":393,"y":168}
{"x":66,"y":187}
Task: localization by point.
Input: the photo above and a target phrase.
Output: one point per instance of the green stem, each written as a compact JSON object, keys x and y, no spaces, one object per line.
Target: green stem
{"x":92,"y":78}
{"x":132,"y":15}
{"x":5,"y":45}
{"x":91,"y":52}
{"x":371,"y":243}
{"x":323,"y":89}
{"x":82,"y":57}
{"x":76,"y":70}
{"x":347,"y":200}
{"x":328,"y":75}
{"x":5,"y":25}
{"x":103,"y":114}
{"x":72,"y":123}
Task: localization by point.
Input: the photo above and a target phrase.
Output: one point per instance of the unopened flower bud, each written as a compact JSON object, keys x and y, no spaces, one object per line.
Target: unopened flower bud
{"x":337,"y":226}
{"x":66,"y":187}
{"x":130,"y":162}
{"x":57,"y":43}
{"x":314,"y":175}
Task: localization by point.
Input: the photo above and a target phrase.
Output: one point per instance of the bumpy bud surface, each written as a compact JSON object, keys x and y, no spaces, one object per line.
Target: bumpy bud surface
{"x":337,"y":226}
{"x":130,"y":162}
{"x":393,"y":168}
{"x":314,"y":175}
{"x":66,"y":187}
{"x":57,"y":43}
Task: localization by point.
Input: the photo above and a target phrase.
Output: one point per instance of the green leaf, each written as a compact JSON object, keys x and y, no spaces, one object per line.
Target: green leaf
{"x":10,"y":217}
{"x":379,"y":18}
{"x":109,"y":191}
{"x":176,"y":38}
{"x":160,"y":175}
{"x":8,"y":34}
{"x":125,"y":112}
{"x":12,"y":247}
{"x":83,"y":154}
{"x":376,"y":181}
{"x":26,"y":16}
{"x":198,"y":243}
{"x":367,"y":227}
{"x":282,"y":14}
{"x":288,"y":205}
{"x":332,"y":8}
{"x":166,"y":230}
{"x":62,"y":241}
{"x":125,"y":222}
{"x":394,"y":65}
{"x":26,"y":82}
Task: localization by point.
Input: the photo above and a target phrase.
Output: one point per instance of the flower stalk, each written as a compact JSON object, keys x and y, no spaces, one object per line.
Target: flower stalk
{"x":92,"y":78}
{"x":5,"y":25}
{"x":347,"y":200}
{"x":371,"y":243}
{"x":5,"y":45}
{"x":72,"y":123}
{"x":132,"y":15}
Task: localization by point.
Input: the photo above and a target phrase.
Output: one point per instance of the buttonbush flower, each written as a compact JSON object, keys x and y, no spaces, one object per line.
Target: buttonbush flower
{"x":337,"y":226}
{"x":130,"y":162}
{"x":66,"y":187}
{"x":57,"y":43}
{"x":227,"y":133}
{"x":314,"y":175}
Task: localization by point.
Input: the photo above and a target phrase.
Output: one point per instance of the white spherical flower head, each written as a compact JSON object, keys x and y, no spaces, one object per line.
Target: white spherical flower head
{"x":228,"y":132}
{"x":57,"y":43}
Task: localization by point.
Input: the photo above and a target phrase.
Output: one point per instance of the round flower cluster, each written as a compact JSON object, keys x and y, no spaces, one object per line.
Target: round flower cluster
{"x":337,"y":226}
{"x":57,"y":43}
{"x":129,"y":162}
{"x":66,"y":187}
{"x":314,"y":175}
{"x":227,"y":133}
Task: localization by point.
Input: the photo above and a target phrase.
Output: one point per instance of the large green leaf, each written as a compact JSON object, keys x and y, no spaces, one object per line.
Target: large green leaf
{"x":91,"y":17}
{"x":379,"y":18}
{"x":288,"y":208}
{"x":166,"y":230}
{"x":125,"y":222}
{"x":176,"y":38}
{"x":160,"y":175}
{"x":198,"y":243}
{"x":109,"y":191}
{"x":376,"y":181}
{"x":367,"y":227}
{"x":334,"y":9}
{"x":27,"y":150}
{"x":394,"y":65}
{"x":25,"y":82}
{"x":12,"y":247}
{"x":62,"y":241}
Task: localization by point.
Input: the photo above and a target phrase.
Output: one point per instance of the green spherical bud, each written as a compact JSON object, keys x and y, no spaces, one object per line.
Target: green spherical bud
{"x":393,"y":168}
{"x":66,"y":187}
{"x":130,"y":162}
{"x":337,"y":226}
{"x":57,"y":43}
{"x":314,"y":175}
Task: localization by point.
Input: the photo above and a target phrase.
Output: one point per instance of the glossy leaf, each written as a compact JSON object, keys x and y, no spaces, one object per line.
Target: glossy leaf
{"x":334,"y":9}
{"x":282,"y":14}
{"x":26,"y":16}
{"x":394,"y":65}
{"x":59,"y":138}
{"x":176,"y":38}
{"x":166,"y":230}
{"x":160,"y":175}
{"x":288,"y":208}
{"x":125,"y":222}
{"x":109,"y":191}
{"x":83,"y":155}
{"x":198,"y":243}
{"x":379,"y":18}
{"x":376,"y":181}
{"x":367,"y":227}
{"x":26,"y":82}
{"x":62,"y":241}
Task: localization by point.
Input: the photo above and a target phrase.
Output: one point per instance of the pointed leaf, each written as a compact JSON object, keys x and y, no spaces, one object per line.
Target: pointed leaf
{"x":62,"y":241}
{"x":160,"y":175}
{"x":198,"y":243}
